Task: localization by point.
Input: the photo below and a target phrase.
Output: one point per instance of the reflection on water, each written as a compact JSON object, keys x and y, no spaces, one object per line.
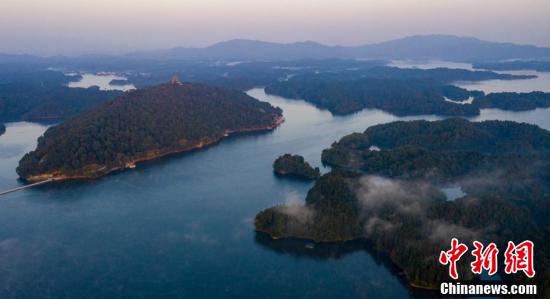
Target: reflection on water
{"x":102,"y":81}
{"x":183,"y":226}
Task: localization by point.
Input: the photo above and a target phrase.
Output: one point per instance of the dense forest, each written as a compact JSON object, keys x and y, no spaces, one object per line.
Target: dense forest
{"x":295,"y":165}
{"x":141,"y":125}
{"x":32,"y":102}
{"x":33,"y":75}
{"x":514,"y":101}
{"x":400,"y":97}
{"x":392,"y":198}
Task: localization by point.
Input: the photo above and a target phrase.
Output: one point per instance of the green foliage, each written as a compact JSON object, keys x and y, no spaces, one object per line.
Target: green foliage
{"x":295,"y":165}
{"x":397,"y":96}
{"x":31,"y":102}
{"x":145,"y":124}
{"x":514,"y":101}
{"x":503,"y":166}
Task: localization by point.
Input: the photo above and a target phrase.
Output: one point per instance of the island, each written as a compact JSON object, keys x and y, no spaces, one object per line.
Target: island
{"x":143,"y":125}
{"x":402,"y":97}
{"x":514,"y":101}
{"x":2,"y":129}
{"x":536,"y":65}
{"x":392,"y":197}
{"x":295,"y":165}
{"x":397,"y":96}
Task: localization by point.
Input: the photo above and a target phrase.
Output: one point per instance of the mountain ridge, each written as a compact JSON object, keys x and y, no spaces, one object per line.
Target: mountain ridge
{"x":419,"y":47}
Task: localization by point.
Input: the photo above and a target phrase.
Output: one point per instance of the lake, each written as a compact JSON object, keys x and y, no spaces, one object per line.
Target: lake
{"x":103,"y":81}
{"x":183,"y":226}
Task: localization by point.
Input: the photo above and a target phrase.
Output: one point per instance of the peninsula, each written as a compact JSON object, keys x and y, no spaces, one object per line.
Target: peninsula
{"x":392,"y":199}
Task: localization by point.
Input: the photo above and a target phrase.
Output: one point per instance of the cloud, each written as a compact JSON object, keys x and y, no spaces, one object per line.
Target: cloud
{"x":377,"y":193}
{"x":295,"y":209}
{"x":386,"y":203}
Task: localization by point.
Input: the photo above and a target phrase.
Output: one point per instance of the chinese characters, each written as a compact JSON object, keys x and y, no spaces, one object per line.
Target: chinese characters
{"x":516,"y":258}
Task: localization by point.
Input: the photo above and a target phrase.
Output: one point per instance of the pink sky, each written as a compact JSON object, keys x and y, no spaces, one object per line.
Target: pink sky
{"x":110,"y":26}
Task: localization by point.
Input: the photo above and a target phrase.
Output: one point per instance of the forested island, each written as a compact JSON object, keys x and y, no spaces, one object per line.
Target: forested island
{"x":142,"y":125}
{"x":391,"y":198}
{"x":514,"y":101}
{"x":537,"y":65}
{"x":295,"y":165}
{"x":33,"y":102}
{"x":402,"y":97}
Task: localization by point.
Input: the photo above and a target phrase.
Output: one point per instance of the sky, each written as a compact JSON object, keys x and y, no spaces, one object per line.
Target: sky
{"x":74,"y":27}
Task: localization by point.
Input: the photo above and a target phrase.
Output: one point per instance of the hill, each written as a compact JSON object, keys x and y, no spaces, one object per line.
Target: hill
{"x":143,"y":125}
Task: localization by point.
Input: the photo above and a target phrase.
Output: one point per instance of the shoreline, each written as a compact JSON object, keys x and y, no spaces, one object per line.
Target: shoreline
{"x":394,"y":264}
{"x":152,"y":155}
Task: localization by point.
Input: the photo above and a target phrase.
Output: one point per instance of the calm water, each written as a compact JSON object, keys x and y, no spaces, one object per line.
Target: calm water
{"x":182,"y":226}
{"x":102,"y":81}
{"x":541,"y":83}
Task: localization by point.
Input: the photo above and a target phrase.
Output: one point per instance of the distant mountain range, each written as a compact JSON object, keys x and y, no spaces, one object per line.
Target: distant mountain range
{"x":420,"y":47}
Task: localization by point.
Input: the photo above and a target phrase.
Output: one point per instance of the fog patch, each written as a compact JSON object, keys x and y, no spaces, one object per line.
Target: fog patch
{"x":295,"y":209}
{"x":387,"y":205}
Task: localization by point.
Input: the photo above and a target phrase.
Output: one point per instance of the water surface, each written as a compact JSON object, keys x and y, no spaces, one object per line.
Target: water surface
{"x":182,"y":226}
{"x":102,"y":81}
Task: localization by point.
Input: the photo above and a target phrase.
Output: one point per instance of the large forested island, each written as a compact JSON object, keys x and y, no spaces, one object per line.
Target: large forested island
{"x":401,"y":96}
{"x":391,"y":197}
{"x":143,"y":125}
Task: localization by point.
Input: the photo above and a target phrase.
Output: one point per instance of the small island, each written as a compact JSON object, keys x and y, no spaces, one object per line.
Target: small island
{"x":295,"y":165}
{"x":392,"y":197}
{"x":143,"y":125}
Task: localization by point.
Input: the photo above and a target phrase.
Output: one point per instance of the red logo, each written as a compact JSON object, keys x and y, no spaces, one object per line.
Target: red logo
{"x":517,"y":258}
{"x":452,"y":256}
{"x":485,"y":259}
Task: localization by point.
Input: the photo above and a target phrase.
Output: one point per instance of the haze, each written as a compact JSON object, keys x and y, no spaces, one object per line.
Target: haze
{"x":104,"y":26}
